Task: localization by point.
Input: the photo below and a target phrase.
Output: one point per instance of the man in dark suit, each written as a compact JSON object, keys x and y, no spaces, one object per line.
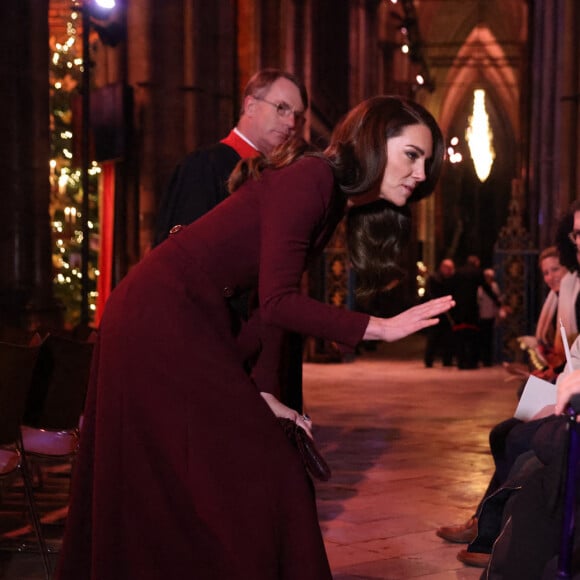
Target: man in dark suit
{"x":466,"y":312}
{"x":272,"y":110}
{"x":440,"y":337}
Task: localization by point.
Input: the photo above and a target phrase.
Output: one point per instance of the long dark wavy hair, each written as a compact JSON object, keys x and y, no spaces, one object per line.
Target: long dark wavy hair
{"x":378,"y":232}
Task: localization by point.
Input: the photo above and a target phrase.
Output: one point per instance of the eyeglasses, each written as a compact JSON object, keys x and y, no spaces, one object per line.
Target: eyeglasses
{"x":283,"y":109}
{"x":574,"y":235}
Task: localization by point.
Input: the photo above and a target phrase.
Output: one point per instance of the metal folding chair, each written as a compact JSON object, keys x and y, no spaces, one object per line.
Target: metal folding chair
{"x":17,"y":364}
{"x":50,"y":429}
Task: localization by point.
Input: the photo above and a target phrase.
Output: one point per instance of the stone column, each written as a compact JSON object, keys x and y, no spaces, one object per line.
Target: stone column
{"x":570,"y":102}
{"x":25,"y":256}
{"x":181,"y":62}
{"x":548,"y":202}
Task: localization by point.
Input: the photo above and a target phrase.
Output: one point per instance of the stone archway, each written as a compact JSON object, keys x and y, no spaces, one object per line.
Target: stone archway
{"x":471,"y":213}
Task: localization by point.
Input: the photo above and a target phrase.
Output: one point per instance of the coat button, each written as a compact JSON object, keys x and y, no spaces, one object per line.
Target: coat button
{"x":175,"y":229}
{"x":228,"y":292}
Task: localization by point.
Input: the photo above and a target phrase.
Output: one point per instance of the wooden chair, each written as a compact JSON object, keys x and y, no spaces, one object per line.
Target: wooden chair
{"x":17,"y":365}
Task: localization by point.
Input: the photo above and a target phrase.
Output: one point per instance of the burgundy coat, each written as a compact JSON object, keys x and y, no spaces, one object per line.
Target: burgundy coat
{"x":184,"y":472}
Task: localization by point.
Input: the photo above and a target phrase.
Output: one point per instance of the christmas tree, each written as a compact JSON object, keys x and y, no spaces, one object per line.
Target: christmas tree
{"x":66,"y":67}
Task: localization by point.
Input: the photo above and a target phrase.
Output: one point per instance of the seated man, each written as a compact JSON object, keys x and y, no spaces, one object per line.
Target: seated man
{"x":511,"y":438}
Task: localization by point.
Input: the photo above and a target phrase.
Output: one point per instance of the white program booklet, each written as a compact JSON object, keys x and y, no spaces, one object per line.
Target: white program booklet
{"x":537,"y":394}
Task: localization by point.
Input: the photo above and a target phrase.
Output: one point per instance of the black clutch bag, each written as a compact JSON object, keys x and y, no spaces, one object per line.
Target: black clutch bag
{"x":311,"y":458}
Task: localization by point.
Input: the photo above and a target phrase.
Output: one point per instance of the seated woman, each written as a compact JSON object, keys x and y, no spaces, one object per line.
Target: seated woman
{"x":546,"y":352}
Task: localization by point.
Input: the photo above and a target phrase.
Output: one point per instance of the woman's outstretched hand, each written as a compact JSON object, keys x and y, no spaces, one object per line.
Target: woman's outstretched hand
{"x":409,"y":321}
{"x":568,"y":386}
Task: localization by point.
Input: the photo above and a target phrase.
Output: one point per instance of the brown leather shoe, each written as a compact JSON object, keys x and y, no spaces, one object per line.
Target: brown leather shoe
{"x":477,"y":559}
{"x":461,"y":534}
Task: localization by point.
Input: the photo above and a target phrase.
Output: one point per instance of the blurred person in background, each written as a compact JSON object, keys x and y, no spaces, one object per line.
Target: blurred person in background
{"x":440,"y":338}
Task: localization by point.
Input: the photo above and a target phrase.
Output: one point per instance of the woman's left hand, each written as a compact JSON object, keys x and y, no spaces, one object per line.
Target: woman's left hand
{"x":281,"y":410}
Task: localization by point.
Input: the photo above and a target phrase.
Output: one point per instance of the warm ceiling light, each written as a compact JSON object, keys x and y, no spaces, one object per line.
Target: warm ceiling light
{"x":480,"y":137}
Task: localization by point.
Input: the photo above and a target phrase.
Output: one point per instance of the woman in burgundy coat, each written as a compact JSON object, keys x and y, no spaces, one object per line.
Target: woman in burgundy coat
{"x":184,"y":472}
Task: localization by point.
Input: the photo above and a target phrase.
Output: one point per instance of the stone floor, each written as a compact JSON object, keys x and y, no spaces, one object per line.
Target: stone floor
{"x":408,"y":451}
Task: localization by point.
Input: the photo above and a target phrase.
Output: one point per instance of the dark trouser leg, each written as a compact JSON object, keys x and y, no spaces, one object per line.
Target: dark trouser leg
{"x":460,"y":348}
{"x":466,"y":341}
{"x":430,"y":347}
{"x":498,"y":437}
{"x":486,"y":327}
{"x":497,"y":444}
{"x":447,"y":345}
{"x":473,"y":339}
